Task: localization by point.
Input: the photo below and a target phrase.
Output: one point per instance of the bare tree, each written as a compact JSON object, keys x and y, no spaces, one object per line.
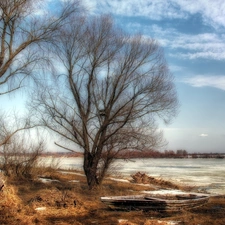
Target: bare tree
{"x":111,"y":90}
{"x":18,"y":154}
{"x":20,"y":157}
{"x":10,"y":124}
{"x":24,"y":35}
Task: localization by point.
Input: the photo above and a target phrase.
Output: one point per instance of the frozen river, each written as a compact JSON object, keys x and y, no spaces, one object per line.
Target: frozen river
{"x":207,"y":174}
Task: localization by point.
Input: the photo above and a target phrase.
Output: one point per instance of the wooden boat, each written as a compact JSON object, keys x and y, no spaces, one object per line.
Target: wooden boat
{"x":160,"y":203}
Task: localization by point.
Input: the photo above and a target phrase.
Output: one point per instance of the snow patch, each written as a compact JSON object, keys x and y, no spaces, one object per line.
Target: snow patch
{"x":40,"y":209}
{"x":120,"y":180}
{"x":165,"y":192}
{"x":74,"y":181}
{"x":47,"y":180}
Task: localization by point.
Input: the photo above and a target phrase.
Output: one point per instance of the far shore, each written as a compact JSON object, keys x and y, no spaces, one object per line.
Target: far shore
{"x":144,"y":155}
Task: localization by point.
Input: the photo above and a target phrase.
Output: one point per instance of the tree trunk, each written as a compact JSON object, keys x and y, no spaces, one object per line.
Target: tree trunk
{"x":1,"y":182}
{"x":90,"y":169}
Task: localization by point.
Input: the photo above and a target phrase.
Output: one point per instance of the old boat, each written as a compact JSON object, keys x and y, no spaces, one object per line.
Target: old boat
{"x":160,"y":203}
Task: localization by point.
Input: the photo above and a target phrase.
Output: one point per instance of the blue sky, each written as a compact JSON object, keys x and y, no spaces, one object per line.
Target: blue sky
{"x":192,"y":34}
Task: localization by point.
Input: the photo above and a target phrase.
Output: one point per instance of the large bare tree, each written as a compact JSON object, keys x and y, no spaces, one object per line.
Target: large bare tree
{"x":111,"y":88}
{"x":24,"y":34}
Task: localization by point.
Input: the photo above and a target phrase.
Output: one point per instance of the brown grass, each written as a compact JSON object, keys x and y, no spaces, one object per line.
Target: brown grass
{"x":20,"y":199}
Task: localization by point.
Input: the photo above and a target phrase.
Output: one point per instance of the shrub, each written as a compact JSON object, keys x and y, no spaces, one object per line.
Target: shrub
{"x":19,"y":157}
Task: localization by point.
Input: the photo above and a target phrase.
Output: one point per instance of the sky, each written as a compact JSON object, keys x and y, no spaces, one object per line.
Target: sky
{"x":192,"y":34}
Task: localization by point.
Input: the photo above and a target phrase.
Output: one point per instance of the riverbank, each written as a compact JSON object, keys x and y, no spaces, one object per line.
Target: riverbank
{"x":64,"y":198}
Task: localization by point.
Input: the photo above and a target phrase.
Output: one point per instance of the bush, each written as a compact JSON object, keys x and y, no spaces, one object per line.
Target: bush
{"x":19,"y":158}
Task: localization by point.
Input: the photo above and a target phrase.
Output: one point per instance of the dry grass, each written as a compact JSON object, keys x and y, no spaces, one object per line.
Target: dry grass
{"x":68,"y":202}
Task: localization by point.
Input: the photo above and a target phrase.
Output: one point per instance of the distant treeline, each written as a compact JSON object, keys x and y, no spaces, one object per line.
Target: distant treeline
{"x":62,"y":154}
{"x":169,"y":154}
{"x":131,"y":154}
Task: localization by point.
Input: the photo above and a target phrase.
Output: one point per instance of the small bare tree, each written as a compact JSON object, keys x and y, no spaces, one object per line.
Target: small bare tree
{"x":20,"y":157}
{"x":24,"y":36}
{"x":110,"y":91}
{"x":18,"y":154}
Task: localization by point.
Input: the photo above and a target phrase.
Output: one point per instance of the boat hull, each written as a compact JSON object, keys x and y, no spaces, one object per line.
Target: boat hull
{"x":162,"y":203}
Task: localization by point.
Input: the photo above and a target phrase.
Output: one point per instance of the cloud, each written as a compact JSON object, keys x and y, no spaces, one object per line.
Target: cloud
{"x":155,"y":10}
{"x":206,"y":81}
{"x":41,"y":8}
{"x":200,"y":46}
{"x":205,"y":46}
{"x":211,"y":12}
{"x":90,"y":5}
{"x":176,"y":68}
{"x":203,"y":135}
{"x":189,"y":46}
{"x":200,"y":55}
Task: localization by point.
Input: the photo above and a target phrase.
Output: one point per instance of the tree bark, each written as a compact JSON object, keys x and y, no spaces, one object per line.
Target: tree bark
{"x":90,"y":169}
{"x":1,"y":183}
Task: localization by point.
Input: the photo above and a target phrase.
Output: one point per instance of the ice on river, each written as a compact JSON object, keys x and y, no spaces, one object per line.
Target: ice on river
{"x":206,"y":174}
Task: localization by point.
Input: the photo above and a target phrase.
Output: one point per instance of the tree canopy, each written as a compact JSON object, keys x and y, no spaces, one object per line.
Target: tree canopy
{"x":109,"y":90}
{"x":24,"y":39}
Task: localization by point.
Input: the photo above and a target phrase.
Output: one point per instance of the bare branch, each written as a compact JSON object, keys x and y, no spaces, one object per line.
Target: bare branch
{"x":68,"y":149}
{"x":113,"y":89}
{"x":21,"y":32}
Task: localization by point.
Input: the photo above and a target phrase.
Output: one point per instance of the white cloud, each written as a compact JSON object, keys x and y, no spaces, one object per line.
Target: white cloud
{"x":205,"y":46}
{"x":41,"y":8}
{"x":206,"y":81}
{"x":212,"y":11}
{"x":203,"y":135}
{"x":176,"y":68}
{"x":203,"y":55}
{"x":156,"y":10}
{"x":90,"y":5}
